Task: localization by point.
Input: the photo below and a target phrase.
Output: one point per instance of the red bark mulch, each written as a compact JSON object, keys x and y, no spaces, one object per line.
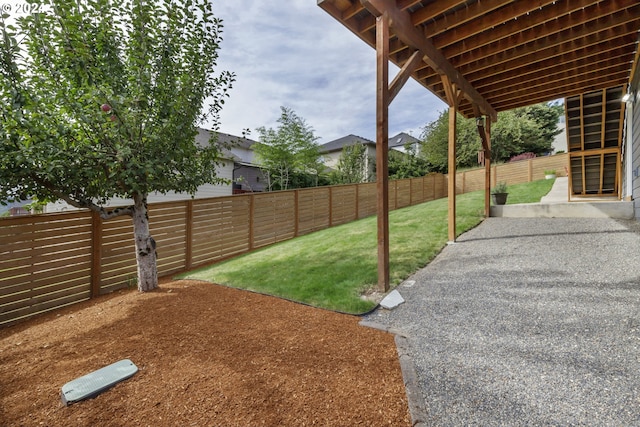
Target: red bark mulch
{"x":208,"y":356}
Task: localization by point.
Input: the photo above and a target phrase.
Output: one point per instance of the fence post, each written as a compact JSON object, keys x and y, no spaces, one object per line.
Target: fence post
{"x":410,"y":191}
{"x":357,"y":201}
{"x":395,"y":194}
{"x":96,"y":253}
{"x":464,"y":181}
{"x":189,"y":235}
{"x":530,"y":170}
{"x":296,"y":212}
{"x":331,"y":206}
{"x":251,"y":216}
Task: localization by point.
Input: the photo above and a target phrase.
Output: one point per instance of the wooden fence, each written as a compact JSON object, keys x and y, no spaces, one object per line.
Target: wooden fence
{"x":52,"y":260}
{"x":512,"y":173}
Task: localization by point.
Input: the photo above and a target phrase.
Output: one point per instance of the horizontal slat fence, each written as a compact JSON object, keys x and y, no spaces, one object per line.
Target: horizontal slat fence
{"x":52,"y":260}
{"x":512,"y":173}
{"x":45,"y":263}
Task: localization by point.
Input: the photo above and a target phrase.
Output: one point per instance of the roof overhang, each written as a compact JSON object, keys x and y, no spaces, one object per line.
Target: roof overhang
{"x":503,"y":54}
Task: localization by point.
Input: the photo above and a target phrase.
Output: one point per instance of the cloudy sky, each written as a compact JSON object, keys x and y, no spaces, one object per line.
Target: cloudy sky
{"x":292,"y":53}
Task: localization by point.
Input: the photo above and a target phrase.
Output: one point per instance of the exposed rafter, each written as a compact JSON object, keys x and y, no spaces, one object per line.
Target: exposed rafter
{"x":405,"y":31}
{"x":510,"y":52}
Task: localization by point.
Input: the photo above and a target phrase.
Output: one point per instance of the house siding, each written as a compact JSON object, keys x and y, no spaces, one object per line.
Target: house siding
{"x":249,"y":178}
{"x":225,"y":171}
{"x":633,"y":135}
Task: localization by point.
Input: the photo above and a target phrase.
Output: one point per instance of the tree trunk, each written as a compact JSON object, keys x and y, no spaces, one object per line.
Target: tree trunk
{"x":145,"y":246}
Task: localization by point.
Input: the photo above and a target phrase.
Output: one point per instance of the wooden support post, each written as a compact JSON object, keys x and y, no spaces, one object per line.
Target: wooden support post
{"x":487,"y":168}
{"x":382,"y":152}
{"x":453,"y":96}
{"x":452,"y":173}
{"x":96,"y":253}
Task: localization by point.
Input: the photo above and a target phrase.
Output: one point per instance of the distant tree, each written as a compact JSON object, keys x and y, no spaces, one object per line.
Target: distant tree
{"x":435,"y":143}
{"x":352,"y":165}
{"x":290,"y":149}
{"x":546,"y":116}
{"x":101,"y":99}
{"x":407,"y":164}
{"x":526,"y":129}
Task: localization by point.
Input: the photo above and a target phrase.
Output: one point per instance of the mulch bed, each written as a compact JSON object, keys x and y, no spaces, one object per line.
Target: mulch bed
{"x":208,"y":356}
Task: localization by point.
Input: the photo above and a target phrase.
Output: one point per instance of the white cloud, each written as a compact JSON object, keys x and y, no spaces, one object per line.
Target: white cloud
{"x":292,"y":53}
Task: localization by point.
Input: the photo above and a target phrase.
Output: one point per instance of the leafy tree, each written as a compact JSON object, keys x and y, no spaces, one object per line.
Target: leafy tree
{"x":526,"y":129}
{"x":290,"y":149}
{"x":352,"y":165}
{"x":101,"y":99}
{"x":407,"y":164}
{"x":435,"y":143}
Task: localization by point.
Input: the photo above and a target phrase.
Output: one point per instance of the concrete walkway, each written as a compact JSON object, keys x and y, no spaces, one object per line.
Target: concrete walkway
{"x":557,"y":204}
{"x":525,"y":321}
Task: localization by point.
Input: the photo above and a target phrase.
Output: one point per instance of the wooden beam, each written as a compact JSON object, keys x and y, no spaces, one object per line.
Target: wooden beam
{"x":453,"y":96}
{"x":544,"y":20}
{"x":382,"y":148}
{"x":433,"y":9}
{"x":487,"y":168}
{"x":405,"y":31}
{"x":403,"y":76}
{"x":475,"y":19}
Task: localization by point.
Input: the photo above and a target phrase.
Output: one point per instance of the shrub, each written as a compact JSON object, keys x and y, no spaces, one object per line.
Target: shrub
{"x":523,"y":156}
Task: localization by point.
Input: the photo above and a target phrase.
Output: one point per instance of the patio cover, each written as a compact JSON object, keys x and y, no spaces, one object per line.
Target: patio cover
{"x":485,"y":56}
{"x":504,"y":53}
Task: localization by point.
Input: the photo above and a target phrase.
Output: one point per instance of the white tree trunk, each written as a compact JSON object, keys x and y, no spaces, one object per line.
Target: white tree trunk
{"x":145,"y":246}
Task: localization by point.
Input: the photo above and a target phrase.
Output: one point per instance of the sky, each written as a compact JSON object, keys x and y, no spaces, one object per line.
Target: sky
{"x":292,"y":53}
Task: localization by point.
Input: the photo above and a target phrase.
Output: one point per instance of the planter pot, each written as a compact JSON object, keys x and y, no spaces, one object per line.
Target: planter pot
{"x":550,"y":176}
{"x":499,"y":198}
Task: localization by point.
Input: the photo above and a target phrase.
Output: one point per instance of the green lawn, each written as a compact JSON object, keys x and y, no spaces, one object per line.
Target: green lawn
{"x":333,"y":267}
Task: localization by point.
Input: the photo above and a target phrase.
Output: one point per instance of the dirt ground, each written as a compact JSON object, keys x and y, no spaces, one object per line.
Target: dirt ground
{"x":207,"y":356}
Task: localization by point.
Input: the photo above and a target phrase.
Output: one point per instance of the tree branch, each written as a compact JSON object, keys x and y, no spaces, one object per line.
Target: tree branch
{"x":84,"y":204}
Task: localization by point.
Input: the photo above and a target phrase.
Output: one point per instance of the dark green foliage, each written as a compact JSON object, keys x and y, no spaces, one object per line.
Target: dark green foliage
{"x":353,"y":166}
{"x":101,"y":99}
{"x":288,"y":152}
{"x":435,"y":143}
{"x":526,"y":129}
{"x":407,"y":164}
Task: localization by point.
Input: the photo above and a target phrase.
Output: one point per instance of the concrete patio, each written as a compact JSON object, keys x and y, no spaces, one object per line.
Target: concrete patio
{"x":524,"y":321}
{"x":557,"y":204}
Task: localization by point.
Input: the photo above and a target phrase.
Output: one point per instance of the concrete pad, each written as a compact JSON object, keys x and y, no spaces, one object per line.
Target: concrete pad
{"x":392,"y":300}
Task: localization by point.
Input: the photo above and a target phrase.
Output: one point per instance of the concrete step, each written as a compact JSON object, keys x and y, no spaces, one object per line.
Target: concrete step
{"x":617,"y":209}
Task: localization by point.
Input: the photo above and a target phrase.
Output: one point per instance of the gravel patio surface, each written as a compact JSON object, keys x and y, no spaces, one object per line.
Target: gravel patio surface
{"x":526,"y":321}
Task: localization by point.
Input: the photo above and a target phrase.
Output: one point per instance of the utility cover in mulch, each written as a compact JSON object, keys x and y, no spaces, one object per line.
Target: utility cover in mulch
{"x":207,"y":355}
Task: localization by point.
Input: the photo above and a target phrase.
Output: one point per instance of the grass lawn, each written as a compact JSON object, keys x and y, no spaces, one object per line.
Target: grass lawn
{"x":332,"y":268}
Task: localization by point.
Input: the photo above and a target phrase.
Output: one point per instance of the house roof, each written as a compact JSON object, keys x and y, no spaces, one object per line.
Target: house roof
{"x":203,"y":137}
{"x":402,"y":139}
{"x":345,"y":141}
{"x":503,"y":54}
{"x":236,"y":141}
{"x":399,"y":140}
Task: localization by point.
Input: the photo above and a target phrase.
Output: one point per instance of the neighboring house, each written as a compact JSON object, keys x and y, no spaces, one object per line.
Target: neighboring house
{"x":560,"y":140}
{"x":402,"y":141}
{"x":332,"y":150}
{"x":15,"y":208}
{"x":247,"y":176}
{"x":235,"y":153}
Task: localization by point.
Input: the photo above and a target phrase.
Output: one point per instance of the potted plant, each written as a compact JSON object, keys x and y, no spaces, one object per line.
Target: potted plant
{"x":550,"y":174}
{"x":499,"y":193}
